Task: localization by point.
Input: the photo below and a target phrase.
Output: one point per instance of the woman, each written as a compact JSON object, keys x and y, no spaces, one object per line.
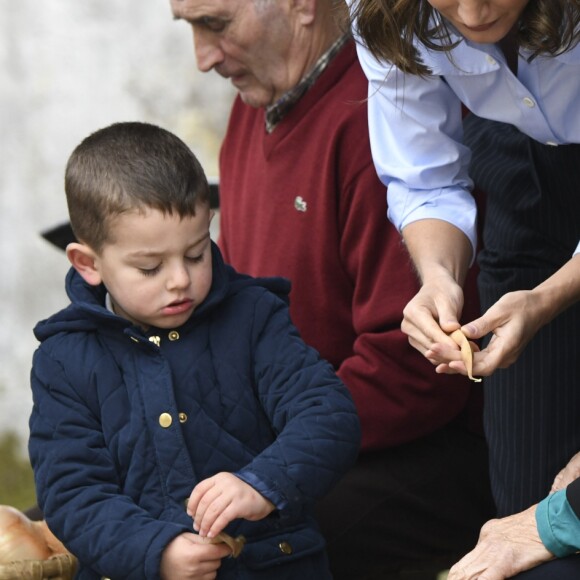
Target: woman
{"x":516,"y":65}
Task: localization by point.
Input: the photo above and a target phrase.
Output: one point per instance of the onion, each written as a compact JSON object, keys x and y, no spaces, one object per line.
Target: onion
{"x":19,"y":538}
{"x":54,"y":544}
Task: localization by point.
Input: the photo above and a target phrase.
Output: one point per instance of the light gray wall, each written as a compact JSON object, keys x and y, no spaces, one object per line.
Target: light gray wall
{"x":67,"y":69}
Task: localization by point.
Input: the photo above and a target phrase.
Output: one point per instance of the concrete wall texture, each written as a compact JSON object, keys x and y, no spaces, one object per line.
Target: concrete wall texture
{"x":67,"y":69}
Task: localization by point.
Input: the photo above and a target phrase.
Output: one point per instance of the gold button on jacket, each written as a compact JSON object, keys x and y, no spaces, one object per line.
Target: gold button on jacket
{"x":165,"y":420}
{"x":285,"y":548}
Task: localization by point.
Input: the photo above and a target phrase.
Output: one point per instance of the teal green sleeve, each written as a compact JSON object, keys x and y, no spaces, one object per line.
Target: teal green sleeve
{"x":558,"y":525}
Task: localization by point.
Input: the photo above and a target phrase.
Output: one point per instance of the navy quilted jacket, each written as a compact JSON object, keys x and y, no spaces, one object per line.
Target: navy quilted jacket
{"x":124,"y":427}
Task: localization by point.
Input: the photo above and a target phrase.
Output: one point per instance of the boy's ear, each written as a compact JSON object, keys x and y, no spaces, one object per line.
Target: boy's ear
{"x":82,"y":258}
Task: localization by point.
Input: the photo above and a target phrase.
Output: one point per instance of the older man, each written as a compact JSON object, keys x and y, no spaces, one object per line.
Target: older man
{"x":300,"y":198}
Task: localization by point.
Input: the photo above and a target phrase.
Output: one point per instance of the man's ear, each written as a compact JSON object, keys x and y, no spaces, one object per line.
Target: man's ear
{"x":83,"y":258}
{"x":305,"y":9}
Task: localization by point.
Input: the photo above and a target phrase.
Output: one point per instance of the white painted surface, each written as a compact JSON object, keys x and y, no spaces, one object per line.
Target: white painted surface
{"x":67,"y":69}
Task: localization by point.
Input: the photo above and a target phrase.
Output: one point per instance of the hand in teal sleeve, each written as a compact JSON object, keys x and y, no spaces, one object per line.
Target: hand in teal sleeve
{"x":505,"y":548}
{"x":558,"y":525}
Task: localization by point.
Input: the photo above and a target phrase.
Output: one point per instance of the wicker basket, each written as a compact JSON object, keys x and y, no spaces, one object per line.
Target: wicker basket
{"x":59,"y":567}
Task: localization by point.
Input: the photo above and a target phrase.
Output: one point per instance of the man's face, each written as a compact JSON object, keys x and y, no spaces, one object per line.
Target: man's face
{"x":246,"y":41}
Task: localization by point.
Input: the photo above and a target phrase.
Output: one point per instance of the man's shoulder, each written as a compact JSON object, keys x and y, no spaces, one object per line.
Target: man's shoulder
{"x":345,"y":72}
{"x":343,"y":82}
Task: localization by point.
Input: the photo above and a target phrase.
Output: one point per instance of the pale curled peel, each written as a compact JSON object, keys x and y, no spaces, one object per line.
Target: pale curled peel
{"x":235,"y":544}
{"x":466,"y":352}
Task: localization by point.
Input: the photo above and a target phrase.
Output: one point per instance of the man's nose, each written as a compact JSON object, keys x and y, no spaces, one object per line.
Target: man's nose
{"x":207,"y":50}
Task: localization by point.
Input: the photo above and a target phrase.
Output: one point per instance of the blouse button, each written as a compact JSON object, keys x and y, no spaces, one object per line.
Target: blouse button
{"x":173,"y":335}
{"x":165,"y":420}
{"x":528,"y":102}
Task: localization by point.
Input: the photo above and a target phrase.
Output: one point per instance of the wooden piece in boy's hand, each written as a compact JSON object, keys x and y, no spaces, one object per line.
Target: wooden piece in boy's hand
{"x":236,"y":544}
{"x":466,"y":352}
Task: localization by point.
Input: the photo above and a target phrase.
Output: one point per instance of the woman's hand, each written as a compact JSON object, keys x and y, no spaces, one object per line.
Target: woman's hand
{"x":506,"y":547}
{"x":516,"y":317}
{"x":218,"y":500}
{"x":430,"y":316}
{"x":513,"y":321}
{"x":441,"y":254}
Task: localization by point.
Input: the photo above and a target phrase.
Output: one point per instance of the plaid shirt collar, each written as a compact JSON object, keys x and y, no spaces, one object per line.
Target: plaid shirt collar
{"x":276,"y":112}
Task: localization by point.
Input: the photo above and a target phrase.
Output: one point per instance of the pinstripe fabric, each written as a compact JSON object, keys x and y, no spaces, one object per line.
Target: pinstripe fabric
{"x":531,"y":227}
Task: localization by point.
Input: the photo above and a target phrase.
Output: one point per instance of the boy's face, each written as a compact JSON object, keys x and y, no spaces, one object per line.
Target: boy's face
{"x":157,"y":268}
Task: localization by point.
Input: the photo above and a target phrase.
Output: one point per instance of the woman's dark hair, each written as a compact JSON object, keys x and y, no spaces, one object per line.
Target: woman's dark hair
{"x":388,"y":28}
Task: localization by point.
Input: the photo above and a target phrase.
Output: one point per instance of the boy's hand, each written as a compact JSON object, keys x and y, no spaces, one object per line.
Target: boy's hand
{"x":189,"y":557}
{"x":218,"y":500}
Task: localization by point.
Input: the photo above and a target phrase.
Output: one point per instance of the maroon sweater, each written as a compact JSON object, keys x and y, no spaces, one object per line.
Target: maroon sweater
{"x":305,"y":202}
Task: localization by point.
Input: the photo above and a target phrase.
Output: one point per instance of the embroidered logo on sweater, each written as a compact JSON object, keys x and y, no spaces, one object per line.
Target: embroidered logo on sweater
{"x":300,"y":204}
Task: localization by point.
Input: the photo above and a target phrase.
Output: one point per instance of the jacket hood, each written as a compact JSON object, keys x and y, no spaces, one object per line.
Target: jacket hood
{"x":87,"y":311}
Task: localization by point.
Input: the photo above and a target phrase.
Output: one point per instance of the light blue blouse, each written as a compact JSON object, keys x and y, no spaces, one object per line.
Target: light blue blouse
{"x":415,"y":122}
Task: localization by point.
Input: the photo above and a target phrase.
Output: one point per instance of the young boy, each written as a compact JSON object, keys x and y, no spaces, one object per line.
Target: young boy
{"x":173,"y":388}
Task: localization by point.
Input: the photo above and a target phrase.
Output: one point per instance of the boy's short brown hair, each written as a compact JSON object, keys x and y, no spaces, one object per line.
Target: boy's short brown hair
{"x":130,"y":166}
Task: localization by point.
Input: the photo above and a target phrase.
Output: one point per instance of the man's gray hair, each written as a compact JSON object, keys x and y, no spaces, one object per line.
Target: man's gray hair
{"x":263,"y":4}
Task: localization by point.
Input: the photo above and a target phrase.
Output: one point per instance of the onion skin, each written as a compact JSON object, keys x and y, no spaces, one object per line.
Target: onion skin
{"x":466,"y":352}
{"x":54,"y":544}
{"x":20,"y":539}
{"x":235,"y":544}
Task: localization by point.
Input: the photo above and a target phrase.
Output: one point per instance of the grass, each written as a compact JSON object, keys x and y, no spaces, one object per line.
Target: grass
{"x":16,"y":480}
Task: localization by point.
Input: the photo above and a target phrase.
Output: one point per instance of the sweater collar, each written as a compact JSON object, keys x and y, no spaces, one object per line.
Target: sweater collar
{"x":276,"y":112}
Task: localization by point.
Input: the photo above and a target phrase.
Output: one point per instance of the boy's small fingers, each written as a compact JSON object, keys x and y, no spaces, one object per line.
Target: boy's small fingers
{"x":212,"y":514}
{"x":197,"y":495}
{"x":218,"y":525}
